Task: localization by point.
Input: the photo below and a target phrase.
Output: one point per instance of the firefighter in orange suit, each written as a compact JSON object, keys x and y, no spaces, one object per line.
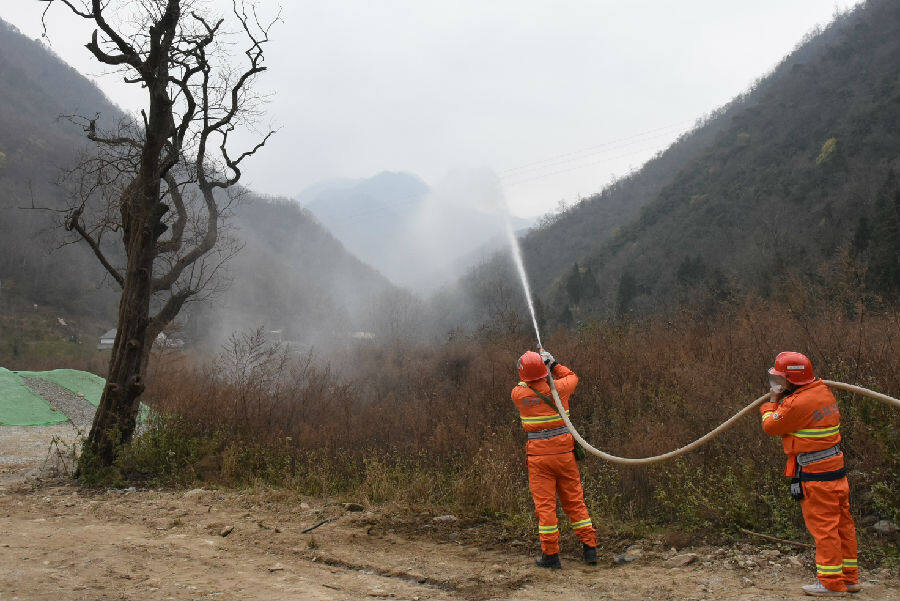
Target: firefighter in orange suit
{"x":805,"y":414}
{"x":552,"y":470}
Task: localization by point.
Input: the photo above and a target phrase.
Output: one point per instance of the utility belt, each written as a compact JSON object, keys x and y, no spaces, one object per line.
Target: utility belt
{"x":804,"y":459}
{"x":545,"y":434}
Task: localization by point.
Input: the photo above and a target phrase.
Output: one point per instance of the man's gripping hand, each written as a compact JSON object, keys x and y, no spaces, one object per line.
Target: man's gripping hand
{"x":549,"y":361}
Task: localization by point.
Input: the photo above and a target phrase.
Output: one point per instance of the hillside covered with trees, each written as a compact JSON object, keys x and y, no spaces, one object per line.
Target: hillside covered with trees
{"x":795,"y":178}
{"x":38,"y":88}
{"x":290,"y":273}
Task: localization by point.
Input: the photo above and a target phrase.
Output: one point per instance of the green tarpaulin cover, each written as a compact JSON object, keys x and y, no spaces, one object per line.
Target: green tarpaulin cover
{"x":19,"y":406}
{"x":79,"y":382}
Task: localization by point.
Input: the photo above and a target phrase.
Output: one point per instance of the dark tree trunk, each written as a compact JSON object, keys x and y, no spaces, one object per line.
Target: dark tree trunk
{"x":116,"y":416}
{"x":186,"y":103}
{"x":142,"y":213}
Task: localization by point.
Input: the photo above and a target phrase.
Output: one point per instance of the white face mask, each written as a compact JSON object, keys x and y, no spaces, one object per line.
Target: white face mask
{"x":777,"y":384}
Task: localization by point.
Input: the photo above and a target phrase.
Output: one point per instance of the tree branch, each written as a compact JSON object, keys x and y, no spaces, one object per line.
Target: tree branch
{"x":173,"y":244}
{"x":124,"y":47}
{"x":111,"y":59}
{"x":168,"y":280}
{"x":234,"y":165}
{"x":91,"y":131}
{"x":73,"y":222}
{"x":167,"y":313}
{"x":163,"y":318}
{"x":80,"y":13}
{"x":256,"y":56}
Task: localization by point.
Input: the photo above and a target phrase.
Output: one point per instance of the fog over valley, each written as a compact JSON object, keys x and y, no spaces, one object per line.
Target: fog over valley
{"x":343,"y":300}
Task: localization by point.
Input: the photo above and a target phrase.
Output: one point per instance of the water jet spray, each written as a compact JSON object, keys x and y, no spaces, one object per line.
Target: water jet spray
{"x":520,"y":266}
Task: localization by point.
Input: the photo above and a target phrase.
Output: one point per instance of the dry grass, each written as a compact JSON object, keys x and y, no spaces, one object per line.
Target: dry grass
{"x":434,"y":427}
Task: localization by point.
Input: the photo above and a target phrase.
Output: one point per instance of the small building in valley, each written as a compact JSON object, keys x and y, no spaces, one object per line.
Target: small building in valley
{"x":107,"y":340}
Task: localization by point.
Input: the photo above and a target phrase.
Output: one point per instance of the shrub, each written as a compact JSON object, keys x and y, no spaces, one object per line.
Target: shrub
{"x":402,"y":427}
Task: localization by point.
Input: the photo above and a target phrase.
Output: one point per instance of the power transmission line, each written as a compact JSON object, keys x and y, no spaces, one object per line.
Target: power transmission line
{"x":590,"y":150}
{"x":576,"y":167}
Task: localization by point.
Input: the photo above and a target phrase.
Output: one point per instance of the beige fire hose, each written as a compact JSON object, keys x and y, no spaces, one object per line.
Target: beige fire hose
{"x":704,"y":439}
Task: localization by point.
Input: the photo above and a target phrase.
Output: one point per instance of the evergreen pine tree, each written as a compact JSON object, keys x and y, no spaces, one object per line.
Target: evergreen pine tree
{"x":574,"y":284}
{"x":884,"y":248}
{"x":590,"y":289}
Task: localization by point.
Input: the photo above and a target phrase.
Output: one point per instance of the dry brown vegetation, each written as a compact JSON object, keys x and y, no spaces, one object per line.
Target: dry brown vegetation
{"x":433,"y":427}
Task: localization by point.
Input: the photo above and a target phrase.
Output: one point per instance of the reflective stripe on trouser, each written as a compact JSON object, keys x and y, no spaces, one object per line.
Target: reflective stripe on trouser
{"x":552,"y":529}
{"x":550,"y":476}
{"x":850,"y":569}
{"x":826,"y":511}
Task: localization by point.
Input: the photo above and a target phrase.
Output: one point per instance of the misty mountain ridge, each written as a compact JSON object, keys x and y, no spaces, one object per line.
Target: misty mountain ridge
{"x":797,"y":177}
{"x":418,"y":236}
{"x":294,"y":279}
{"x":37,"y":88}
{"x":291,"y":275}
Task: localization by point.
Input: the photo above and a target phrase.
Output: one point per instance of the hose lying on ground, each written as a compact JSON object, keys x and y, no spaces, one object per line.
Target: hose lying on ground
{"x":703,"y":439}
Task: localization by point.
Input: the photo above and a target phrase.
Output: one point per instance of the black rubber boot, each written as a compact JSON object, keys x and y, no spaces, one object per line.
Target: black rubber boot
{"x":589,"y":554}
{"x":549,"y":561}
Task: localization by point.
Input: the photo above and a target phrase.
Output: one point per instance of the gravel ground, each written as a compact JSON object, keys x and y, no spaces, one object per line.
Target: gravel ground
{"x":37,"y":452}
{"x":79,"y":411}
{"x":32,"y":452}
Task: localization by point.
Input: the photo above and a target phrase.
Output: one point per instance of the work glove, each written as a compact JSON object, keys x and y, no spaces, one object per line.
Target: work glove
{"x":549,"y":361}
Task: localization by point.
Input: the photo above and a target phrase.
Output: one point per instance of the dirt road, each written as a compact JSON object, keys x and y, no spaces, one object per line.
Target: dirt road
{"x":58,"y":541}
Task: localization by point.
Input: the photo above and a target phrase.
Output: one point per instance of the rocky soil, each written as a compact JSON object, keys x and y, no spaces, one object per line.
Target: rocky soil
{"x":79,"y":411}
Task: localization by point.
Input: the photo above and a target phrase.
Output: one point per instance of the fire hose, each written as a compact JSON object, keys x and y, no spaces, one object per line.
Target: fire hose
{"x":705,"y":438}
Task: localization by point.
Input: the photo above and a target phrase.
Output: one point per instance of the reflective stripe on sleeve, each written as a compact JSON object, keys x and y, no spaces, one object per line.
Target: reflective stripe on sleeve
{"x":581,"y":524}
{"x":767,"y":414}
{"x":816,"y":432}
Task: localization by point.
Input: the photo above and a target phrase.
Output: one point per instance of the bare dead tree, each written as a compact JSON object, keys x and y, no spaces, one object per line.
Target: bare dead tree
{"x":176,"y":155}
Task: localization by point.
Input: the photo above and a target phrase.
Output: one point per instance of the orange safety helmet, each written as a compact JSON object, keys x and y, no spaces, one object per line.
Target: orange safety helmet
{"x":793,"y":367}
{"x":531,"y":367}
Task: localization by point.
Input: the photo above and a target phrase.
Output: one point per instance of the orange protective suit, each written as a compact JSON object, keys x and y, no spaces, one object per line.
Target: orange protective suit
{"x":808,"y":420}
{"x":552,"y":470}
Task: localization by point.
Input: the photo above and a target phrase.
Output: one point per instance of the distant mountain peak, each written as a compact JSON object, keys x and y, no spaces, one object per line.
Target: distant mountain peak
{"x":418,"y":236}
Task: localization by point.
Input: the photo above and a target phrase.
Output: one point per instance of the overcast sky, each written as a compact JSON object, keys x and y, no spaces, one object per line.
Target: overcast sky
{"x":557,"y":97}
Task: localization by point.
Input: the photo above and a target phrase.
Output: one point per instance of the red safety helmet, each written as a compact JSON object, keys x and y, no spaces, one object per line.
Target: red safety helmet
{"x":792,"y":367}
{"x":531,"y":367}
